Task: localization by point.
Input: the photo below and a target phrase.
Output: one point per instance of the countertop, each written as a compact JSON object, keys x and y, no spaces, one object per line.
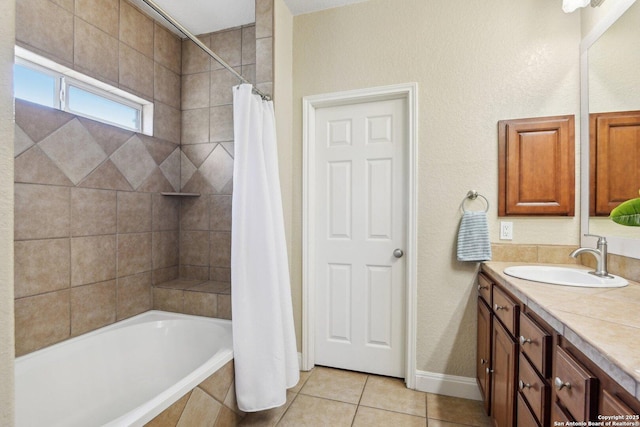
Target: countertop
{"x":603,"y":323}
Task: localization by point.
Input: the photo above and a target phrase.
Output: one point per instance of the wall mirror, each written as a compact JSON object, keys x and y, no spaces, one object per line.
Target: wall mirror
{"x":610,"y":82}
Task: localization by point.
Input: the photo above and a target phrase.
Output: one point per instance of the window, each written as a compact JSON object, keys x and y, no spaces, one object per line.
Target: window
{"x":44,"y":82}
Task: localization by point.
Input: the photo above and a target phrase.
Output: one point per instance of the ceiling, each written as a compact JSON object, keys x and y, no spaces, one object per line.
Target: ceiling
{"x":207,"y":16}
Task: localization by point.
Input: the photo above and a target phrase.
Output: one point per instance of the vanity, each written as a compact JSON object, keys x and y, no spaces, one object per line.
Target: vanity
{"x":550,"y":355}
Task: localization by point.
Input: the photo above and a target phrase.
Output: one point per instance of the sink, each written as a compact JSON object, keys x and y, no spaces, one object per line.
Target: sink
{"x":565,"y":276}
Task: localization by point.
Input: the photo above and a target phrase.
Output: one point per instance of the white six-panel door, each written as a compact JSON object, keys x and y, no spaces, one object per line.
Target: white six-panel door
{"x":360,"y":222}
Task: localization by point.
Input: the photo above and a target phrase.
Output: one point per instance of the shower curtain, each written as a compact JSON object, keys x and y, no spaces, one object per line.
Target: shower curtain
{"x":264,"y":344}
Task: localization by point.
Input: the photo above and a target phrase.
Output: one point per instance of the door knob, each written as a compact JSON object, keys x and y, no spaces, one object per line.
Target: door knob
{"x":398,"y":253}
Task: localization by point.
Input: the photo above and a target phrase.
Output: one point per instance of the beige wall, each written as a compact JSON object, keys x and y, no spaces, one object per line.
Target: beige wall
{"x":7,"y":31}
{"x":475,"y":63}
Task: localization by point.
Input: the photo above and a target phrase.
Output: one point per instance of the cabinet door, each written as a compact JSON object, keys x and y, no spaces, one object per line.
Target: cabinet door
{"x":483,"y":363}
{"x":615,"y":159}
{"x":503,"y":384}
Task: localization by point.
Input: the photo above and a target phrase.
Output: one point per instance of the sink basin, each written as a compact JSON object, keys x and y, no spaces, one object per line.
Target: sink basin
{"x":565,"y":276}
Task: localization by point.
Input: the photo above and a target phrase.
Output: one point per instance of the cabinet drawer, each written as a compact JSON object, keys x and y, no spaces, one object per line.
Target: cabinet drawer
{"x":505,"y":309}
{"x":574,"y":386}
{"x":559,"y":415}
{"x":525,"y":417}
{"x":484,"y":288}
{"x":536,"y":344}
{"x":611,"y":405}
{"x":533,"y":388}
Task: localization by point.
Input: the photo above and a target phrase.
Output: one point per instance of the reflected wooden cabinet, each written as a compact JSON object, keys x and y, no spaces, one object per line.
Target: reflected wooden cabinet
{"x":614,"y":144}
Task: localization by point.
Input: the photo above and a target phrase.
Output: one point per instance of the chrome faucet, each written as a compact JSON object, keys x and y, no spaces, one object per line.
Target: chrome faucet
{"x":600,"y":254}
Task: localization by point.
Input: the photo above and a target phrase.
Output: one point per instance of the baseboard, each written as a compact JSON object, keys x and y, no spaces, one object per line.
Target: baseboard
{"x":448,"y":385}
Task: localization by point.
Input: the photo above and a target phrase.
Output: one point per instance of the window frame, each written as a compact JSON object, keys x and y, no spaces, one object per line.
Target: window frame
{"x":66,"y":78}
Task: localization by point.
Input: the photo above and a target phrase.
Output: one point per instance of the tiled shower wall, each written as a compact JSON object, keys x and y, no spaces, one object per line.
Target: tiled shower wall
{"x":207,"y":139}
{"x":92,"y":233}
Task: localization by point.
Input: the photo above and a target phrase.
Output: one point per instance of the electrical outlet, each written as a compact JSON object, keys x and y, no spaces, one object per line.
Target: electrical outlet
{"x":506,"y":230}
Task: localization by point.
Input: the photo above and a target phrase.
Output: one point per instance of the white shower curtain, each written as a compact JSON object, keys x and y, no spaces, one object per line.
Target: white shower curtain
{"x":264,"y":343}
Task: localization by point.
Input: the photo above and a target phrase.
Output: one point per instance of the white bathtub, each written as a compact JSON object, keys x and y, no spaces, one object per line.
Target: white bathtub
{"x":120,"y":375}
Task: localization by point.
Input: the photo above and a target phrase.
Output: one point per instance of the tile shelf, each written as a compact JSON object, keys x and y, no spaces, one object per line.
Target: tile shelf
{"x":181,"y":194}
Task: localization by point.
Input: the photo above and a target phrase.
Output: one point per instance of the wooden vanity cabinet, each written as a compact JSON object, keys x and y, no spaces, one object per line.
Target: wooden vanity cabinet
{"x":529,"y":375}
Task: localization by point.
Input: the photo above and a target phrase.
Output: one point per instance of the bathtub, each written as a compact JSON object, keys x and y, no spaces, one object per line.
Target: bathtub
{"x":120,"y":375}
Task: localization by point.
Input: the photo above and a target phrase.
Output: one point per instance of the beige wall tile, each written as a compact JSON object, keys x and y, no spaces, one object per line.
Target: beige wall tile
{"x":508,"y":252}
{"x":194,"y":213}
{"x":164,"y":249}
{"x":249,"y":72}
{"x":41,"y":320}
{"x":200,"y":304}
{"x":167,"y":49}
{"x":555,"y":254}
{"x":92,"y":306}
{"x":217,"y":385}
{"x":217,"y":169}
{"x":264,"y":60}
{"x":249,"y":45}
{"x":221,"y":123}
{"x":136,"y":29}
{"x":170,"y":168}
{"x":264,"y":18}
{"x":221,"y":210}
{"x":41,"y":211}
{"x":38,"y":121}
{"x":166,"y":122}
{"x":194,"y":248}
{"x":170,"y":416}
{"x":224,"y":307}
{"x":109,"y":138}
{"x":201,"y":410}
{"x":134,"y":295}
{"x":157,"y":183}
{"x":198,"y":153}
{"x":220,"y":248}
{"x":93,"y":259}
{"x":74,"y":150}
{"x":195,"y":91}
{"x":136,"y":72}
{"x":45,"y":26}
{"x":95,"y":52}
{"x":41,"y":266}
{"x":134,"y":253}
{"x":222,"y":82}
{"x":34,"y":167}
{"x":67,"y":4}
{"x":195,"y":126}
{"x":93,"y":212}
{"x":134,"y":161}
{"x":159,"y":149}
{"x":220,"y":274}
{"x":103,"y":14}
{"x":168,"y":300}
{"x":134,"y":212}
{"x":194,"y":59}
{"x":194,"y":272}
{"x":106,"y":176}
{"x":161,"y":275}
{"x":167,"y":86}
{"x":165,"y":212}
{"x":228,"y":46}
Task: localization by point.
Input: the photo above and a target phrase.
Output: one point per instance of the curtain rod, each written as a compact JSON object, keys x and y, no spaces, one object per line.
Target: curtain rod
{"x":202,"y":46}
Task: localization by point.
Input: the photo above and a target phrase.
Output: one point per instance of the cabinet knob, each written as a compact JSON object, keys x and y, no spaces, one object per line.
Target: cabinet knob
{"x":489,"y":371}
{"x":480,"y":287}
{"x":483,"y":362}
{"x":499,"y":307}
{"x":561,"y":384}
{"x":523,"y":385}
{"x":524,"y":340}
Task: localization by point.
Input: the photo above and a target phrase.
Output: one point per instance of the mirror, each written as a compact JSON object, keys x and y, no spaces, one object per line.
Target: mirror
{"x":610,"y":65}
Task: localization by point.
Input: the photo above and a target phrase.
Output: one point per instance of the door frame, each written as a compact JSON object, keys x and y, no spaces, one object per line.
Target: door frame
{"x":409,"y":93}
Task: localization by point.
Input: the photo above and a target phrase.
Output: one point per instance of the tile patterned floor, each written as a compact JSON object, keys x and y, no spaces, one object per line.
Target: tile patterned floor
{"x":333,"y":397}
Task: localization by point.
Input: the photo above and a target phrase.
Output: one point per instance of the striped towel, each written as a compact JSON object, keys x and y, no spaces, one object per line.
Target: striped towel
{"x":473,"y":237}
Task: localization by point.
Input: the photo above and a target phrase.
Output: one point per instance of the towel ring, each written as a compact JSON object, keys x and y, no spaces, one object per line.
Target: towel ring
{"x":472,"y":195}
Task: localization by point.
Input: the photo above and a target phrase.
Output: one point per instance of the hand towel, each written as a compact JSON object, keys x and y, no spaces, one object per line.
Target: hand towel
{"x":473,"y":237}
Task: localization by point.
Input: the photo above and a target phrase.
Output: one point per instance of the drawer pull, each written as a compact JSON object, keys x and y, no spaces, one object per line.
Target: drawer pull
{"x":561,"y":384}
{"x":499,"y":307}
{"x":480,"y":287}
{"x":524,"y":340}
{"x":523,"y":385}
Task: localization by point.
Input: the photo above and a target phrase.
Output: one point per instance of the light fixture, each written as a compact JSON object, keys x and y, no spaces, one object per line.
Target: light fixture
{"x":569,"y":6}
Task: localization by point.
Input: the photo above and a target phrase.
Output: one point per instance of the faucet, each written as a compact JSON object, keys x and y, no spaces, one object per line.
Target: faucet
{"x":600,"y":254}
